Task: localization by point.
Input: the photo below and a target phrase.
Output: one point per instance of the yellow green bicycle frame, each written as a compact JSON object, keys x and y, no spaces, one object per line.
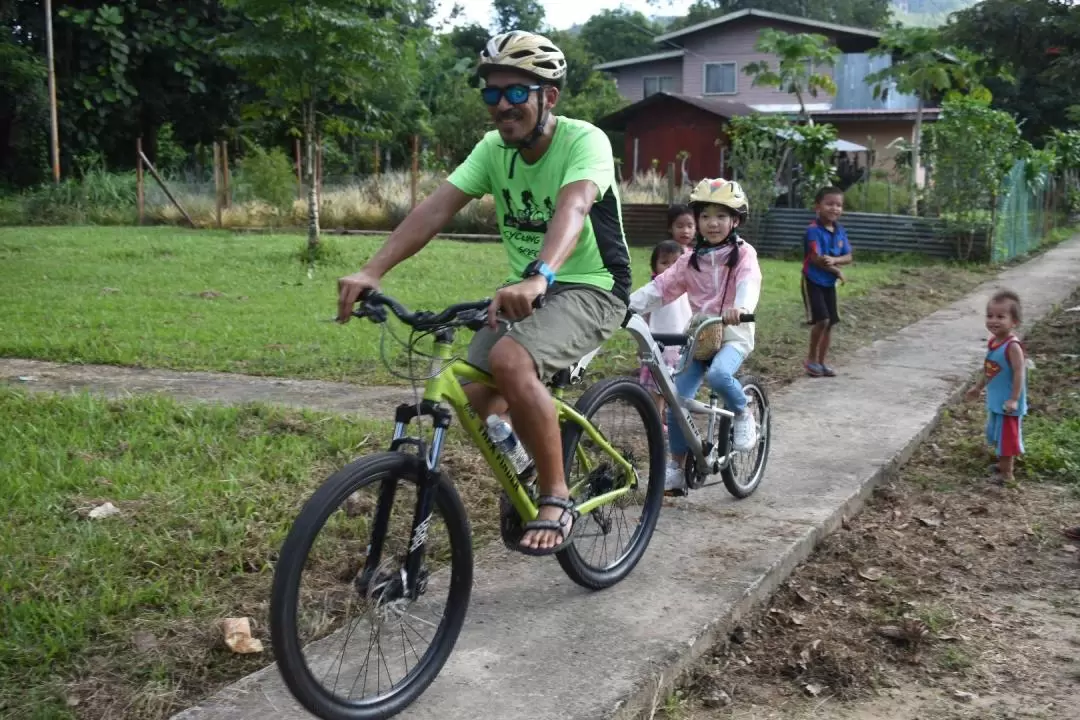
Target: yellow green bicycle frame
{"x":444,"y":385}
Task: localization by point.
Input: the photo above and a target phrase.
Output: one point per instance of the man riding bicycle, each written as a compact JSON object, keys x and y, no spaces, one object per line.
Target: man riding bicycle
{"x":554,"y":185}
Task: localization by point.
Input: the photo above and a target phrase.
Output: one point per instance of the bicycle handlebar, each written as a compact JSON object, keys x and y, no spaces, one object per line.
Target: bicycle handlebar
{"x":473,"y":315}
{"x":681,"y":339}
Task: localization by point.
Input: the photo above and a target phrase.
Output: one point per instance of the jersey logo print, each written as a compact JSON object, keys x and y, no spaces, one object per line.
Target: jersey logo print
{"x":992,"y":369}
{"x":532,"y":216}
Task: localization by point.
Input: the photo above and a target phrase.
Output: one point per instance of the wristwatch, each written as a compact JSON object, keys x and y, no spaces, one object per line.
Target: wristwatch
{"x":539,"y":267}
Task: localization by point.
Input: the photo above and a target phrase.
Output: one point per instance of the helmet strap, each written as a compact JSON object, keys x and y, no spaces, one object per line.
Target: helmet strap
{"x":541,"y":120}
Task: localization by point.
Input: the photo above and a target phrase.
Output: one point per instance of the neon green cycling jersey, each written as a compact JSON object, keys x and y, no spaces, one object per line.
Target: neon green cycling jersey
{"x":525,"y":197}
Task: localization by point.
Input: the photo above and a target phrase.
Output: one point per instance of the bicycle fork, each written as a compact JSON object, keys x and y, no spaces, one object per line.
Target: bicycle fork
{"x":413,"y":580}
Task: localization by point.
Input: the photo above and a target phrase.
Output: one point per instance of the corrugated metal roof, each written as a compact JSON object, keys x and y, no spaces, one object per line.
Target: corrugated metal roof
{"x":721,"y":108}
{"x":769,"y":15}
{"x":641,"y":59}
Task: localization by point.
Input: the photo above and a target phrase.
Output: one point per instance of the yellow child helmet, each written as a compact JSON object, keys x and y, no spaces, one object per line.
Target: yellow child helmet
{"x":718,"y":191}
{"x":527,"y":52}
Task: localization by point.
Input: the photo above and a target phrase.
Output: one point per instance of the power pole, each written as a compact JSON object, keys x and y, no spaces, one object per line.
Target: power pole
{"x":52,"y":92}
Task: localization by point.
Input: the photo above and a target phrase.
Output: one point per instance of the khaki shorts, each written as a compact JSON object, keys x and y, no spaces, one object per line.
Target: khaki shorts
{"x":575,"y":320}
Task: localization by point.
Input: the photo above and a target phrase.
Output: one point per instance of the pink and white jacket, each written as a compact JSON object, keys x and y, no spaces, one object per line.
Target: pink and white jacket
{"x":710,"y":290}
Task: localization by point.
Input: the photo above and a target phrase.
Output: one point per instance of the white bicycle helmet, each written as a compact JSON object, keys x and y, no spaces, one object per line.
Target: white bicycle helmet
{"x":718,"y":191}
{"x":527,"y":52}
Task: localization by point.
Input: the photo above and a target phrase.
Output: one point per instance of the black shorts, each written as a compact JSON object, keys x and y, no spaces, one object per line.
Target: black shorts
{"x":820,"y":303}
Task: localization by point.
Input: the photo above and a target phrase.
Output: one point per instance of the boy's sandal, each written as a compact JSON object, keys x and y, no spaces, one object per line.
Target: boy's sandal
{"x":1072,"y":533}
{"x":569,"y":517}
{"x":813,"y":369}
{"x":827,"y":371}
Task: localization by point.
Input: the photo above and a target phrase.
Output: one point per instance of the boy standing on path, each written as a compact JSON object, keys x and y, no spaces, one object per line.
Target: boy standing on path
{"x":1005,"y":380}
{"x":825,"y":249}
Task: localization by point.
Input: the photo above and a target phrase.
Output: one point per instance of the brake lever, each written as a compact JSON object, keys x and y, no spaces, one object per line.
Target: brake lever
{"x":376,"y":313}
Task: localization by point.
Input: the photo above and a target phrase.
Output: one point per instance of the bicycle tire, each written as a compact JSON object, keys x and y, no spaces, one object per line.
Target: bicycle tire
{"x":753,"y":385}
{"x":592,"y":400}
{"x":288,"y":651}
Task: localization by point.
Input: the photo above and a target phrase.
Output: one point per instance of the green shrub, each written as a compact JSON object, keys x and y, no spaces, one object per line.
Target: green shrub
{"x":876,"y":197}
{"x":266,"y":175}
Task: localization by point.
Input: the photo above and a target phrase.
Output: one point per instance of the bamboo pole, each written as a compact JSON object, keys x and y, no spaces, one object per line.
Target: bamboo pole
{"x":140,"y":190}
{"x":376,"y":158}
{"x":218,"y":149}
{"x":227,"y":195}
{"x":54,"y":124}
{"x":299,"y":177}
{"x":154,"y":173}
{"x":415,"y":167}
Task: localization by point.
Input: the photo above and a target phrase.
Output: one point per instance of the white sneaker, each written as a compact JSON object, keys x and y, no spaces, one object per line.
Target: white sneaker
{"x":674,"y":478}
{"x":745,"y":431}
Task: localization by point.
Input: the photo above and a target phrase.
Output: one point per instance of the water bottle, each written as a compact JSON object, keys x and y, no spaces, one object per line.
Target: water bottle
{"x":503,"y":437}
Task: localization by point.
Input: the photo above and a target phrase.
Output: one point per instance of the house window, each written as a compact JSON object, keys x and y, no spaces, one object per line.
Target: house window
{"x":720,"y":78}
{"x":658,"y":83}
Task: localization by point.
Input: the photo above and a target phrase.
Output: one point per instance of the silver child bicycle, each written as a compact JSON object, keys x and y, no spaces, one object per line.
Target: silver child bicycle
{"x":710,"y":452}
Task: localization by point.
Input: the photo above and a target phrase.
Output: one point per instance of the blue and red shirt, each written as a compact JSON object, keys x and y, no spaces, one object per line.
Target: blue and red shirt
{"x":822,"y":241}
{"x":999,"y":377}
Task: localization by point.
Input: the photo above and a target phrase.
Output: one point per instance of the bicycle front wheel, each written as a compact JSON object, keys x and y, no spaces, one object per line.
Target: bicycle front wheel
{"x":613,"y":537}
{"x":381,"y":633}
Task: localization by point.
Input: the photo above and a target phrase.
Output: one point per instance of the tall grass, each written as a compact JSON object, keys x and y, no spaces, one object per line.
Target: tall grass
{"x":377,"y":202}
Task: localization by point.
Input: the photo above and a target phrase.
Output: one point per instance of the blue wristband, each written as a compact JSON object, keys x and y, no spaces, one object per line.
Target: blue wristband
{"x":539,"y":267}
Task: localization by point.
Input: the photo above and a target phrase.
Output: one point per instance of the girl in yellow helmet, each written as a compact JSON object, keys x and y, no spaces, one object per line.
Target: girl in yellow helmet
{"x":721,"y":277}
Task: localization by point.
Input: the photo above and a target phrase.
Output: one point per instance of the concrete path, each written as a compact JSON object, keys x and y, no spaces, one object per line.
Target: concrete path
{"x":537,"y":647}
{"x":376,"y":401}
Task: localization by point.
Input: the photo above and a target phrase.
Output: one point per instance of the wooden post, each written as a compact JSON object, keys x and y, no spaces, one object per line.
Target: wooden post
{"x":53,"y":118}
{"x":154,"y":173}
{"x":376,"y":158}
{"x":318,"y":165}
{"x":670,"y":183}
{"x":226,"y":194}
{"x":415,"y":167}
{"x":218,"y":148}
{"x":299,"y":177}
{"x":140,"y":191}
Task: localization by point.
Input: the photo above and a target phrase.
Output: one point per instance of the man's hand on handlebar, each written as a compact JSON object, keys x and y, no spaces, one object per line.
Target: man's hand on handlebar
{"x":516,"y":302}
{"x":350,"y":288}
{"x":732,"y":316}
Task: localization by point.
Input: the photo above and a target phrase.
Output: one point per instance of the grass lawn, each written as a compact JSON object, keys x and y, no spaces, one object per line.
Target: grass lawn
{"x":206,"y":495}
{"x":200,"y":300}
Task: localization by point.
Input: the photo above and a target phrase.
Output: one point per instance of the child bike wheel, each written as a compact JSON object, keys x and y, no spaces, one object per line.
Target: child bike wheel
{"x":622,"y":410}
{"x":365,"y":589}
{"x":743,"y":472}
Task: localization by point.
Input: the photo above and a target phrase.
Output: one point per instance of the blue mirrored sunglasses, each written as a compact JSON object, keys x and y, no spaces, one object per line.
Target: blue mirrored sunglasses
{"x":515,"y":94}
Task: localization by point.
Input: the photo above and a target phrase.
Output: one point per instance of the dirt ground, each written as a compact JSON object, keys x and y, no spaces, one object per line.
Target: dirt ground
{"x":947,"y":598}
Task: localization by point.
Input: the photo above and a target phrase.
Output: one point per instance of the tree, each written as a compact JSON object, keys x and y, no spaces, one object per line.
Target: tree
{"x":1038,"y":41}
{"x":24,"y":113}
{"x":126,"y":67}
{"x":518,"y":15}
{"x":799,"y":56}
{"x":923,"y":66}
{"x":308,"y":54}
{"x":617,"y":34}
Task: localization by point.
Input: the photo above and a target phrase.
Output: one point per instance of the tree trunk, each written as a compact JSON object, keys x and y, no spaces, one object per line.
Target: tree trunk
{"x":916,"y":152}
{"x":313,"y":185}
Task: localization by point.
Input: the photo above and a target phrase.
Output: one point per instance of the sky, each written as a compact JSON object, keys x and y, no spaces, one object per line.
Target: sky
{"x":561,"y":14}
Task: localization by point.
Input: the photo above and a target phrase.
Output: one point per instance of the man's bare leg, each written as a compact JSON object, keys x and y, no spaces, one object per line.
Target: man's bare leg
{"x":532,"y":412}
{"x":485,"y":400}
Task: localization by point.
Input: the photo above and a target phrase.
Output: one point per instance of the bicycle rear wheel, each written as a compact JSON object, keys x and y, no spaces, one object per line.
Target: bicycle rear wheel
{"x":362,"y":576}
{"x":630,"y":520}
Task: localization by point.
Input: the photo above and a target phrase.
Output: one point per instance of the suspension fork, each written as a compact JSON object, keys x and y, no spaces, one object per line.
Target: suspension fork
{"x":412,"y":581}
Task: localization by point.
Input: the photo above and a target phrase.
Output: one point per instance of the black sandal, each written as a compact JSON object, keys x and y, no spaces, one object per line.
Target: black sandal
{"x":559,"y":525}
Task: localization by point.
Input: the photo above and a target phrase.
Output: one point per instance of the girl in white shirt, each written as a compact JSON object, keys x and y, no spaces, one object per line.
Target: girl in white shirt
{"x":671,"y":318}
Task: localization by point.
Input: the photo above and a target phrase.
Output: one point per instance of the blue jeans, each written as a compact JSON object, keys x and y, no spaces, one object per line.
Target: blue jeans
{"x":720,"y":374}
